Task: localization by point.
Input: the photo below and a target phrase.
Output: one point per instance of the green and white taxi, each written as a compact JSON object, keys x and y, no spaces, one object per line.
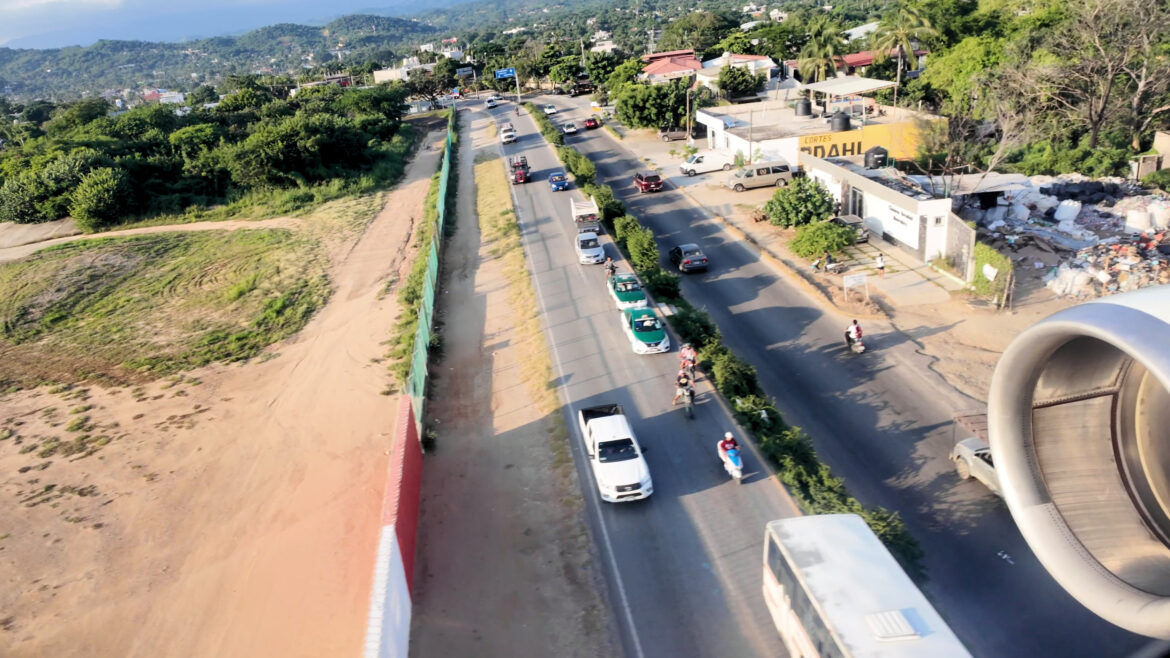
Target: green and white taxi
{"x":645,"y":331}
{"x":627,"y":291}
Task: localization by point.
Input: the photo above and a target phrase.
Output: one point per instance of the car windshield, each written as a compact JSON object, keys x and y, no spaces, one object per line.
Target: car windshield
{"x":694,"y":158}
{"x":556,"y":178}
{"x":627,"y":286}
{"x":646,"y":324}
{"x":617,"y":451}
{"x":569,"y":126}
{"x":691,"y":253}
{"x":589,"y":243}
{"x":651,"y":178}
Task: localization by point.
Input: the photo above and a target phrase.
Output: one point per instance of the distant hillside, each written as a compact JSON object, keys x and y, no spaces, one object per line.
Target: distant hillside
{"x":63,"y":73}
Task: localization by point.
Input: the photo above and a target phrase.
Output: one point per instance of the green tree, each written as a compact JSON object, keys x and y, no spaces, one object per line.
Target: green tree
{"x":623,"y":74}
{"x":599,"y":66}
{"x":77,"y":114}
{"x":901,"y":31}
{"x":825,"y":44}
{"x":698,"y":31}
{"x":817,"y":238}
{"x":189,"y":141}
{"x":653,"y":106}
{"x":566,"y":69}
{"x":801,"y":202}
{"x":201,"y":95}
{"x":960,"y":73}
{"x":100,"y":199}
{"x":243,"y":100}
{"x":19,"y":196}
{"x":736,"y":81}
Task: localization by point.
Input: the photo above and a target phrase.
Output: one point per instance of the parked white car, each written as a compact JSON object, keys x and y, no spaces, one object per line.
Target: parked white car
{"x":549,"y":108}
{"x":706,"y":161}
{"x":972,"y":457}
{"x":589,"y":249}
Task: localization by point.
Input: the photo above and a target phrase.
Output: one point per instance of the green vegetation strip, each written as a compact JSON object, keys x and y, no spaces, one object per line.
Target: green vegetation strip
{"x":160,"y":303}
{"x":546,"y":126}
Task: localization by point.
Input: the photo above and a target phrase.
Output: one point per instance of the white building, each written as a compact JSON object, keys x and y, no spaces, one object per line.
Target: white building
{"x":773,"y":129}
{"x":427,"y":47}
{"x":173,"y":97}
{"x":708,"y":76}
{"x":896,"y":209}
{"x":778,"y":16}
{"x":606,"y":46}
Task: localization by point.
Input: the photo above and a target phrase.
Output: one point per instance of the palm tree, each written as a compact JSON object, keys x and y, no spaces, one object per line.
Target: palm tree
{"x":901,"y":31}
{"x":818,"y":57}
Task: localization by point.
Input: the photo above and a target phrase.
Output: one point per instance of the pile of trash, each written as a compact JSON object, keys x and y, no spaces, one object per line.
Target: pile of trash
{"x":1092,"y":237}
{"x":1114,"y":266}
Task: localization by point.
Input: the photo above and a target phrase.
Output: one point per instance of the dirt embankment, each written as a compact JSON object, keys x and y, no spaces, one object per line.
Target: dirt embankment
{"x":233,"y":511}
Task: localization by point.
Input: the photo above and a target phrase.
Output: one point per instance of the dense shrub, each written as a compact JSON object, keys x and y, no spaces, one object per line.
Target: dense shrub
{"x":1160,"y":179}
{"x":1060,"y":157}
{"x":816,"y":239}
{"x":733,"y":376}
{"x":607,"y":203}
{"x":643,"y":249}
{"x":546,"y":126}
{"x":578,"y":164}
{"x":19,"y":199}
{"x":622,"y":226}
{"x":696,"y":327}
{"x":801,"y":202}
{"x":985,"y":255}
{"x":662,"y":285}
{"x":100,"y":198}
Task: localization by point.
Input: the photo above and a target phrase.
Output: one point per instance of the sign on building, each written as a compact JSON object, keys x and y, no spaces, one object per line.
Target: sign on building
{"x":465,"y":72}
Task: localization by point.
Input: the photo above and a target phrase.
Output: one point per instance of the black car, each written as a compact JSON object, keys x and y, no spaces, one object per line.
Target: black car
{"x":856,"y":223}
{"x":688,"y":258}
{"x":671,"y":134}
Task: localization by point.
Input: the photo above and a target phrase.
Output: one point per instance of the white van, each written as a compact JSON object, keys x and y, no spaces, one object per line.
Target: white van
{"x":705,"y":161}
{"x":761,"y":174}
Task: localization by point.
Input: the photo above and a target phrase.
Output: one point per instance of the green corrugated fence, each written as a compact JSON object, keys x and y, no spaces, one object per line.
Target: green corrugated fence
{"x":416,"y":384}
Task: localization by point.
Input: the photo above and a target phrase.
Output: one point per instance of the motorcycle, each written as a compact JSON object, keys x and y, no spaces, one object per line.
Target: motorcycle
{"x":857,"y":345}
{"x":689,"y":402}
{"x":732,"y":462}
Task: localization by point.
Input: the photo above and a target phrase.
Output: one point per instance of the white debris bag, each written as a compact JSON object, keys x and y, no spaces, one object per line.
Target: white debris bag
{"x":1067,"y":210}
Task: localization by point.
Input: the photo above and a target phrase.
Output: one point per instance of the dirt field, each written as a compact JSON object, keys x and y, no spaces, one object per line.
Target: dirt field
{"x":505,"y":564}
{"x":232,"y":511}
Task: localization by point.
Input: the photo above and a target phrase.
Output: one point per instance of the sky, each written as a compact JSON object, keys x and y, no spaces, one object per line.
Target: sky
{"x":57,"y":23}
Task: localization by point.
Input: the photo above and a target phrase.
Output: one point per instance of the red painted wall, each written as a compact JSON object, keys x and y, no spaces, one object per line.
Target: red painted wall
{"x":404,"y":486}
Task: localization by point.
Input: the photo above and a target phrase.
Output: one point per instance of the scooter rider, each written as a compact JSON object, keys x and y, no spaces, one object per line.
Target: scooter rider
{"x":687,"y":357}
{"x":610,"y":268}
{"x":683,"y":387}
{"x":852,"y":333}
{"x":728,"y":442}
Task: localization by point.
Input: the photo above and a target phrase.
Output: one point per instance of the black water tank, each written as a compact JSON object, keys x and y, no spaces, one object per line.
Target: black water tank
{"x":840,"y":122}
{"x":876,"y":157}
{"x":803,"y":107}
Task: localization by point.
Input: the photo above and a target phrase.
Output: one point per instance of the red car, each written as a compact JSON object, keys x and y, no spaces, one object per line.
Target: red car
{"x":648,"y":182}
{"x":592,"y":123}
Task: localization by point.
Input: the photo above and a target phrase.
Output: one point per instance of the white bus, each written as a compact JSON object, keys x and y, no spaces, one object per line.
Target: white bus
{"x":835,"y":591}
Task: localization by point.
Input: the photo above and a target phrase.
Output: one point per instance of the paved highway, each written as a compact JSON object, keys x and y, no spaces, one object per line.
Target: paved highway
{"x":684,"y":566}
{"x":881,"y":420}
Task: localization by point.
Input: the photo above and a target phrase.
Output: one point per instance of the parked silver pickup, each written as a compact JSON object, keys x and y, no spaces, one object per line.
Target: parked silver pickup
{"x":614,"y":454}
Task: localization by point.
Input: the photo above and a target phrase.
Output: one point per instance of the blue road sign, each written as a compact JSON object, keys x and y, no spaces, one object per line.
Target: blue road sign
{"x":505,"y":73}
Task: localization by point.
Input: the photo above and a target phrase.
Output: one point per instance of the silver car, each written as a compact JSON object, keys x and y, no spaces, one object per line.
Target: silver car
{"x":972,"y":457}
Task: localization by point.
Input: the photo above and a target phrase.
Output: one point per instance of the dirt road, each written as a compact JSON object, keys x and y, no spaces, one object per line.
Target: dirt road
{"x":505,"y":565}
{"x":236,"y":511}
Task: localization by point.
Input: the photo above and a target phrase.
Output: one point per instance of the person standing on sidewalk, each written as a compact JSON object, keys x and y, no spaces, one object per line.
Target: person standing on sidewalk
{"x":880,"y":263}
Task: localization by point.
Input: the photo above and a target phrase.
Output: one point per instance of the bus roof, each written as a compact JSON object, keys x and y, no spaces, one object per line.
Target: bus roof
{"x":862,"y":593}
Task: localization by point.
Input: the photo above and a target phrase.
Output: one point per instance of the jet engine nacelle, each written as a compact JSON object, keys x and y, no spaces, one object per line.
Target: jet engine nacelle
{"x":1079,"y":421}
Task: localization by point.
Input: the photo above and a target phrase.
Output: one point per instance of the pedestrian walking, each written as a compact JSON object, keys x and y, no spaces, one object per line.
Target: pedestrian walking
{"x":880,"y":263}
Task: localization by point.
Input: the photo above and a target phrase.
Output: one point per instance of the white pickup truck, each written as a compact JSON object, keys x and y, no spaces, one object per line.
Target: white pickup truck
{"x":614,"y":454}
{"x":586,"y":216}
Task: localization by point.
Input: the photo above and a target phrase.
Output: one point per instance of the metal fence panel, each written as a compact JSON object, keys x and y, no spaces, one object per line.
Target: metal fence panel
{"x":416,"y":381}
